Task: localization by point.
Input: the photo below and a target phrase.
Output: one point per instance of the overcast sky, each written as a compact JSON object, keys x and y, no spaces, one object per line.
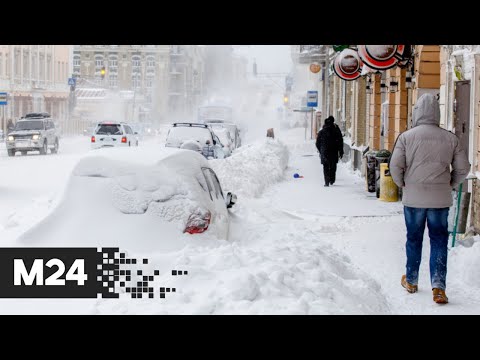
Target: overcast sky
{"x":270,"y":58}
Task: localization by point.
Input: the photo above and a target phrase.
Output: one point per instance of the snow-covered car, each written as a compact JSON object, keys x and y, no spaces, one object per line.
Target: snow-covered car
{"x":34,"y":132}
{"x":196,"y":137}
{"x":225,"y":139}
{"x":138,"y":199}
{"x":111,"y":134}
{"x":232,"y":128}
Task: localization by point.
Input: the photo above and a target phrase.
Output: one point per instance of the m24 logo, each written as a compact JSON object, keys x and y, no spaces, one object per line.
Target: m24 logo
{"x":75,"y":273}
{"x":54,"y":273}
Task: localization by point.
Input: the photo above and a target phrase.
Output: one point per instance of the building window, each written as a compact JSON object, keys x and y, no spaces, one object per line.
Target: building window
{"x":113,"y":61}
{"x":113,"y":80}
{"x":49,"y":68}
{"x":42,"y":67}
{"x":98,"y":61}
{"x":136,"y":78}
{"x":17,"y":64}
{"x":34,"y":67}
{"x":76,"y":60}
{"x":150,"y":61}
{"x":26,"y":64}
{"x":149,"y":82}
{"x":136,"y":61}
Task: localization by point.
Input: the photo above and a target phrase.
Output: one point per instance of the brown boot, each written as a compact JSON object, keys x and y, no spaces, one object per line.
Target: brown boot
{"x":439,"y":296}
{"x":410,"y":288}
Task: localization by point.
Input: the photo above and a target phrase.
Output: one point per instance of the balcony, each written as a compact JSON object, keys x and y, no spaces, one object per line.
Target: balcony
{"x":310,"y":53}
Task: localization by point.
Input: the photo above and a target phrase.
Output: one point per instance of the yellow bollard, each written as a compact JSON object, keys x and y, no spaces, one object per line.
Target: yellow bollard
{"x":388,"y":189}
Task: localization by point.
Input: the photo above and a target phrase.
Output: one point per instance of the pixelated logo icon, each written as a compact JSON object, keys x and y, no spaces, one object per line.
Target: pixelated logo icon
{"x":77,"y":273}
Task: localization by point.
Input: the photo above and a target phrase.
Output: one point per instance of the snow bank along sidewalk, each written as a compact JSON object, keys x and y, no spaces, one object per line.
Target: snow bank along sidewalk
{"x":252,"y":168}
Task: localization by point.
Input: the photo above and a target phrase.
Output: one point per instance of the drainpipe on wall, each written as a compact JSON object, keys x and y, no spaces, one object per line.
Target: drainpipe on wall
{"x":449,"y":100}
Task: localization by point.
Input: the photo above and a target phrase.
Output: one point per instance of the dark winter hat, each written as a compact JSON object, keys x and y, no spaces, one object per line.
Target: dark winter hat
{"x":329,"y":120}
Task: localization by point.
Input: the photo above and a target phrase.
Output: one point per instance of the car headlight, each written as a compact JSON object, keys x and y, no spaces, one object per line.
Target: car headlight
{"x":35,"y":137}
{"x":11,"y":138}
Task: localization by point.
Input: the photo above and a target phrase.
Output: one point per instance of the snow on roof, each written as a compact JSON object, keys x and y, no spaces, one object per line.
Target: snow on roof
{"x":124,"y":161}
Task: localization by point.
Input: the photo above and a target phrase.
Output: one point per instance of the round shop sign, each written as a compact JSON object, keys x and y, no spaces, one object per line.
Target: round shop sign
{"x":347,"y":65}
{"x":315,"y":68}
{"x":381,"y":57}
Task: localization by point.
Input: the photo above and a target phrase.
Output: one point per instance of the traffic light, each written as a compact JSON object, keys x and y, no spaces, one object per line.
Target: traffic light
{"x":286,"y":100}
{"x":102,"y":72}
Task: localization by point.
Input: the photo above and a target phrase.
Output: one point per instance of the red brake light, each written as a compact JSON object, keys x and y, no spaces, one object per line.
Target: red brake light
{"x":93,"y":139}
{"x":197,"y":224}
{"x":124,"y":139}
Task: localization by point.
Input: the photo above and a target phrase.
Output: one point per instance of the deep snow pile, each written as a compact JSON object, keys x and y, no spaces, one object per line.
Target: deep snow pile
{"x":140,"y":199}
{"x":252,"y":168}
{"x":464,"y":262}
{"x":290,"y":270}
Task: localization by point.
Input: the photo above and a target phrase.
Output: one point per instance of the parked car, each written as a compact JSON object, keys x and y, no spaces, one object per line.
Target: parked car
{"x":184,"y":197}
{"x":225,"y":139}
{"x":196,"y":137}
{"x":232,"y":128}
{"x":111,"y":134}
{"x":34,"y":132}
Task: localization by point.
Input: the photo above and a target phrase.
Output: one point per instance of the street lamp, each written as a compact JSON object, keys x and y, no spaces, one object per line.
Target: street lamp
{"x":393,"y":84}
{"x":368,"y":87}
{"x":408,"y":80}
{"x":383,"y":86}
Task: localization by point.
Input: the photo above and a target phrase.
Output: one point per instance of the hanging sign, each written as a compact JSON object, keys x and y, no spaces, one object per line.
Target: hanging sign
{"x":347,"y":65}
{"x":381,"y":57}
{"x":315,"y":68}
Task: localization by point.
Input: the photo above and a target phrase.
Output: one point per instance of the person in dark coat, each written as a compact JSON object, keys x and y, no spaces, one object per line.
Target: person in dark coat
{"x":330,"y":145}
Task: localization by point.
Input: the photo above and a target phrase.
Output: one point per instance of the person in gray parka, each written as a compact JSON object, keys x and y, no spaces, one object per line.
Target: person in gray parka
{"x":427,"y":162}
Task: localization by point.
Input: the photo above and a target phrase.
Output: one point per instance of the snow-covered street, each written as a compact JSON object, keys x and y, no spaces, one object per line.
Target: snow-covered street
{"x":295,"y":247}
{"x":239,"y":179}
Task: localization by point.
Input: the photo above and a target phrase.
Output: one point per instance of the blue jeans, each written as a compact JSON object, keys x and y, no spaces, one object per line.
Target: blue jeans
{"x":437,"y":222}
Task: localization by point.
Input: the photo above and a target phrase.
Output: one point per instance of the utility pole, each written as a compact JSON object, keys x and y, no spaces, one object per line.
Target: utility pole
{"x":325,"y":88}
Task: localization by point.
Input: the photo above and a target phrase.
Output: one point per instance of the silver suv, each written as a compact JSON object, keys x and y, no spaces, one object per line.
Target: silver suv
{"x":34,"y":132}
{"x":196,"y":137}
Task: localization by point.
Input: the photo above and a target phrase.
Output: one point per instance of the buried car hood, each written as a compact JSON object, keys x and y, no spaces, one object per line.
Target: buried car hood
{"x":141,"y":206}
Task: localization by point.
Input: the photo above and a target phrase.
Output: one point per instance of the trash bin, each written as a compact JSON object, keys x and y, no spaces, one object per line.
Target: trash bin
{"x":381,"y":157}
{"x":388,"y":188}
{"x":370,"y":173}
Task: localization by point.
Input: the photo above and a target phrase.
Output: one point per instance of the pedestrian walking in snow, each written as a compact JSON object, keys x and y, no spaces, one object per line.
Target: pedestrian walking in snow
{"x":330,"y":146}
{"x":427,"y":162}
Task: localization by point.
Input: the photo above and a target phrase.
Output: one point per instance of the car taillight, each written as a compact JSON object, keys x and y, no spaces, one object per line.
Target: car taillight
{"x":124,"y":139}
{"x":197,"y":224}
{"x":93,"y":139}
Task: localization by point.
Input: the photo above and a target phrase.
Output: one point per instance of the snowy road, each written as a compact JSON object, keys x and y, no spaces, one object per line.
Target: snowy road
{"x":295,"y":247}
{"x":30,"y":184}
